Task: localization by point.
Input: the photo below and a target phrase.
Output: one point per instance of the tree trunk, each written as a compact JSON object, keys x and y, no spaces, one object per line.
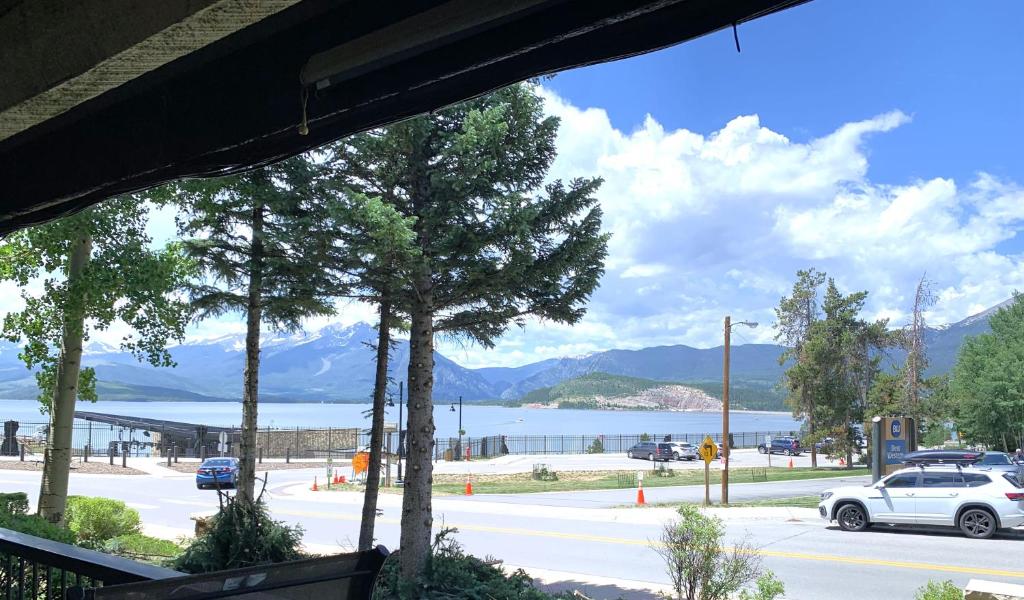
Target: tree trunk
{"x":417,"y":519}
{"x":53,"y":492}
{"x":251,"y":377}
{"x":810,"y":426}
{"x":380,"y":385}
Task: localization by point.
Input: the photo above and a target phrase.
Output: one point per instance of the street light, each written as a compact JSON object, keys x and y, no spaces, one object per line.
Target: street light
{"x":459,"y":447}
{"x":725,"y":403}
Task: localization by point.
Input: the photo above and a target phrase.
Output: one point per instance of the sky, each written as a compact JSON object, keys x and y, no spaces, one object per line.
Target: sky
{"x":876,"y":141}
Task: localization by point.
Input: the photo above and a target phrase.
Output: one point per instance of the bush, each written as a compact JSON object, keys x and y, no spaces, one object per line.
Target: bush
{"x":596,"y":447}
{"x":935,"y":590}
{"x":697,"y":564}
{"x":241,"y":535}
{"x":645,"y":437}
{"x":142,"y":547}
{"x":767,"y":588}
{"x":542,"y":473}
{"x":14,"y":503}
{"x":96,"y":520}
{"x":451,"y":574}
{"x":37,"y":526}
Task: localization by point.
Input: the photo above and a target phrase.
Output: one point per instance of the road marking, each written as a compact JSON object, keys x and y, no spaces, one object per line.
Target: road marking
{"x":141,"y":506}
{"x":877,"y":562}
{"x":190,"y":503}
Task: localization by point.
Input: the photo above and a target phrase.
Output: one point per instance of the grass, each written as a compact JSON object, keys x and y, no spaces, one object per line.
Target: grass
{"x":522,"y":483}
{"x":797,"y":502}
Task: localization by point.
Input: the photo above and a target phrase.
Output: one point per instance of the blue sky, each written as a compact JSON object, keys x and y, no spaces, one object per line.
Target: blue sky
{"x":874,"y":140}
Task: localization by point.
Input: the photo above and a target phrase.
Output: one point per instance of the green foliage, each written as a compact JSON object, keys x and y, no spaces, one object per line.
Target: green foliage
{"x":768,"y":587}
{"x":698,"y":564}
{"x":125,"y":280}
{"x":37,"y":526}
{"x":95,"y":521}
{"x":596,"y":447}
{"x":142,"y":547}
{"x":886,"y":397}
{"x":543,"y":473}
{"x":988,"y":382}
{"x":14,"y":503}
{"x":935,"y":590}
{"x":645,"y":437}
{"x":451,"y":574}
{"x":242,"y":534}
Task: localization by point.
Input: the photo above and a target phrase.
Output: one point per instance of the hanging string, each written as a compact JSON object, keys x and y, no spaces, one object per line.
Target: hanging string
{"x":736,"y":37}
{"x":304,"y":125}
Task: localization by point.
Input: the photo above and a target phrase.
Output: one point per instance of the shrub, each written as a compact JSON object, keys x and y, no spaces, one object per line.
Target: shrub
{"x":14,"y":503}
{"x":645,"y":437}
{"x":451,"y":574}
{"x":241,"y":535}
{"x":936,"y":590}
{"x":542,"y":473}
{"x":37,"y":526}
{"x":767,"y":587}
{"x":96,"y":520}
{"x":699,"y":567}
{"x":142,"y":547}
{"x":596,"y":447}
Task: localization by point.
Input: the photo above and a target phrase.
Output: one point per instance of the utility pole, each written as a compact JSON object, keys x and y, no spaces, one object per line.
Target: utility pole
{"x":460,"y":426}
{"x":725,"y":412}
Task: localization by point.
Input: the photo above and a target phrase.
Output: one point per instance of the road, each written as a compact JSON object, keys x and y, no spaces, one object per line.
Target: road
{"x":564,"y":532}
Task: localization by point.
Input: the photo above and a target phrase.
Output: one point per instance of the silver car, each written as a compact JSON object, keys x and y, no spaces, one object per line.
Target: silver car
{"x":683,"y":451}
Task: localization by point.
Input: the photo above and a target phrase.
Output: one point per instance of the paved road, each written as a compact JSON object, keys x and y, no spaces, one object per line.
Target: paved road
{"x":813,"y":560}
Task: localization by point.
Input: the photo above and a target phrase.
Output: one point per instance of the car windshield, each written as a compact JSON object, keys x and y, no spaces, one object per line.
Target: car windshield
{"x":1014,"y":479}
{"x":218,"y":462}
{"x":996,"y":459}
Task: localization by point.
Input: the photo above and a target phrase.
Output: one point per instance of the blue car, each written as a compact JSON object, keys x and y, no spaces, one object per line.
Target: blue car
{"x":217,"y":472}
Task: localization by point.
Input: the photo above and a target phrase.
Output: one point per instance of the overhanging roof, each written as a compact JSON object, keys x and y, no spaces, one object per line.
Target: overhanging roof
{"x":102,"y":97}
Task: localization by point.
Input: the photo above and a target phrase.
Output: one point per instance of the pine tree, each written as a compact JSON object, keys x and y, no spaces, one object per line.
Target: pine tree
{"x":496,"y":244}
{"x":263,"y":241}
{"x":98,"y":268}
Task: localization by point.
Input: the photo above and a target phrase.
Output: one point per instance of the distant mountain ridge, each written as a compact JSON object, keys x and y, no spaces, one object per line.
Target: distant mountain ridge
{"x":335,"y":364}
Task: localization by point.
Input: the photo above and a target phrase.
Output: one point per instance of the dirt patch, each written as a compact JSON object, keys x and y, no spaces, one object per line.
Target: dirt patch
{"x":190,"y":467}
{"x":76,"y":467}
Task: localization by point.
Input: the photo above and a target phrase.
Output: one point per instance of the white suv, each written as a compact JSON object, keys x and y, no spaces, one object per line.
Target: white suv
{"x":978,"y":500}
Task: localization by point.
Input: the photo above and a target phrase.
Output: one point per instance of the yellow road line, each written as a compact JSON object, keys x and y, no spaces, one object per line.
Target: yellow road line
{"x":875,"y":562}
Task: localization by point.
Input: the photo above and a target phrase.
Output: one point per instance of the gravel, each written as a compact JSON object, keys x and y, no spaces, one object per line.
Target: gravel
{"x":76,"y":467}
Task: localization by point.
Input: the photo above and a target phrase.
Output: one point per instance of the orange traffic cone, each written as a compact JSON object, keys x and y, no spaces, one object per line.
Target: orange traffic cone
{"x":842,"y":462}
{"x":341,"y":479}
{"x":314,"y":488}
{"x":469,"y":488}
{"x":640,"y":495}
{"x":791,"y":463}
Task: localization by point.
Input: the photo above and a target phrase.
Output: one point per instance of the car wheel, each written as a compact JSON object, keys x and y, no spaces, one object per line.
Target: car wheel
{"x":675,"y":456}
{"x":629,"y":454}
{"x":977,"y":523}
{"x":650,"y":457}
{"x":762,"y":450}
{"x":851,"y":517}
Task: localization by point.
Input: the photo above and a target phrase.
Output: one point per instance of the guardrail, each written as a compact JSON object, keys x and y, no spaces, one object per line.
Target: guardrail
{"x":35,"y":568}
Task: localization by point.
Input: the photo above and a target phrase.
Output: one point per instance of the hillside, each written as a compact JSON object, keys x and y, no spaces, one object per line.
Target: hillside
{"x":601,"y":390}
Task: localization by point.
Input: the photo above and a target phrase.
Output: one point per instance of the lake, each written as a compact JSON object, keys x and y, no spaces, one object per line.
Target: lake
{"x":476,"y":420}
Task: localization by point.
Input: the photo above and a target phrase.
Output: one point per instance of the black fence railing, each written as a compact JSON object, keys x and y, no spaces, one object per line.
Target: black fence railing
{"x":33,"y":568}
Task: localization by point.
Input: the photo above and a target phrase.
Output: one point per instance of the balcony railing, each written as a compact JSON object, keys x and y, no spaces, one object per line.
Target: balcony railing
{"x":33,"y":568}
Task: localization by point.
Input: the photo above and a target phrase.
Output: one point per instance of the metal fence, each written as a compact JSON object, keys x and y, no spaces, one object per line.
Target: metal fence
{"x":317,"y":443}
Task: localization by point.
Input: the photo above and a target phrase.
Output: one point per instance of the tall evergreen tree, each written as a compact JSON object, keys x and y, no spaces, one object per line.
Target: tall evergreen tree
{"x":98,"y":268}
{"x":263,"y":241}
{"x":374,"y":254}
{"x":495,"y":244}
{"x":794,"y":317}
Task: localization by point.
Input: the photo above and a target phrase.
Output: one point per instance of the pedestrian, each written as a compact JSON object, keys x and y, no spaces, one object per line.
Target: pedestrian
{"x":1018,"y":456}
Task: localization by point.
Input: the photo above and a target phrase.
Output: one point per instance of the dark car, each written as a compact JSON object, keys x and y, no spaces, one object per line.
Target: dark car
{"x":217,"y":472}
{"x":941,"y":457}
{"x":782,"y":445}
{"x":651,"y":451}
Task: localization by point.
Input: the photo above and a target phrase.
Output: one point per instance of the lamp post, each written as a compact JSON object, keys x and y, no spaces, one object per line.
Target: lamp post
{"x":725,"y":403}
{"x":459,"y":453}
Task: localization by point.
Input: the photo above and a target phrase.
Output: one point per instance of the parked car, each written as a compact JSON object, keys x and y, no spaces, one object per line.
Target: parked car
{"x":214,"y":472}
{"x":976,"y":499}
{"x":825,"y":445}
{"x":651,"y":451}
{"x":782,"y":445}
{"x":683,"y":451}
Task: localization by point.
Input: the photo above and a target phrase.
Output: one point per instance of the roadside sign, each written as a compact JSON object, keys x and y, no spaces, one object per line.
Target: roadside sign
{"x":708,"y":450}
{"x":223,"y":439}
{"x":360,"y":462}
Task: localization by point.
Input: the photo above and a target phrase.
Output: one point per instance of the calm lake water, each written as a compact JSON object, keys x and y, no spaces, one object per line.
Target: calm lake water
{"x":476,"y":420}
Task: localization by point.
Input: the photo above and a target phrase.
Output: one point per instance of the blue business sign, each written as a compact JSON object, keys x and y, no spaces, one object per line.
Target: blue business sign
{"x":896,"y":428}
{"x":894,"y":451}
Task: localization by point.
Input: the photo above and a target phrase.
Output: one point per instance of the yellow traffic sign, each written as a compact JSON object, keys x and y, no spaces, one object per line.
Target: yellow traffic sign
{"x":708,"y":450}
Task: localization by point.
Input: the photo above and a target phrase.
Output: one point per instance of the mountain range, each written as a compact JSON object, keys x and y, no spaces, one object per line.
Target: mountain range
{"x":335,"y":364}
